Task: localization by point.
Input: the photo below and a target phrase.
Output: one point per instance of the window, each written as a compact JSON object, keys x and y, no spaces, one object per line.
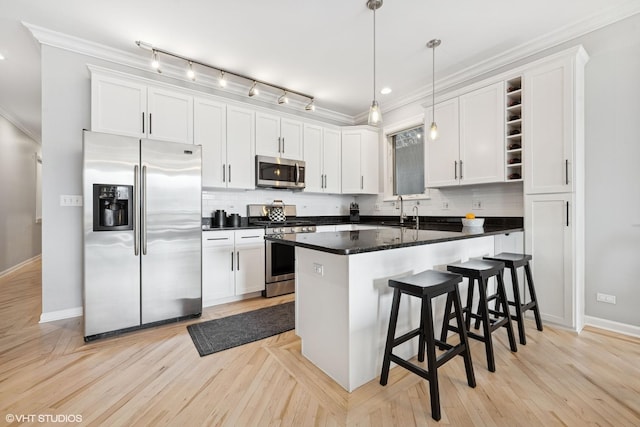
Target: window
{"x":408,"y":161}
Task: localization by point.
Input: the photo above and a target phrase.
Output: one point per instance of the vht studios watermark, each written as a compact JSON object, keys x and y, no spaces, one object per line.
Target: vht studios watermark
{"x":43,"y":418}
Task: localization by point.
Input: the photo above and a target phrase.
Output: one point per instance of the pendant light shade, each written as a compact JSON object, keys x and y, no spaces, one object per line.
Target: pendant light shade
{"x":375,"y":114}
{"x":433,"y":129}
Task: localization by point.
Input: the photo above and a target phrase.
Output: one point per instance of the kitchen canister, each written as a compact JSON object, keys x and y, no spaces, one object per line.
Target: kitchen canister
{"x":276,"y":211}
{"x":219,"y":219}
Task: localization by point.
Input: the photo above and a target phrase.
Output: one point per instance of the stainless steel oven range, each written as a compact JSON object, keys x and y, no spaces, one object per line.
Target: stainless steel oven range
{"x":280,"y":262}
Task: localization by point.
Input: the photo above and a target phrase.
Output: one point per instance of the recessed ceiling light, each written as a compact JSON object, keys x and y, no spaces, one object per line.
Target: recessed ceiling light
{"x":385,"y":90}
{"x":1,"y":57}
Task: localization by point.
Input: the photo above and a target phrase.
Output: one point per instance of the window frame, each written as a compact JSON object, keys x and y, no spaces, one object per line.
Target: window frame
{"x":388,"y":166}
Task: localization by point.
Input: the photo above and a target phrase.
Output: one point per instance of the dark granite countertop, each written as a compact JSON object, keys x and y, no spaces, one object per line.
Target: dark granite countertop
{"x":355,"y":242}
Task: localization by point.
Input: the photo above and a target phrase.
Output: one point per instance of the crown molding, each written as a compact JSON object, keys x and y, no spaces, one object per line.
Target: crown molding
{"x":520,"y":53}
{"x":11,"y":119}
{"x":141,"y":62}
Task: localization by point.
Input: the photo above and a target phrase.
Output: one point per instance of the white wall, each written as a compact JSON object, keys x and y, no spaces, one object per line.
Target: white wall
{"x":307,"y":204}
{"x":20,"y":235}
{"x":612,"y":196}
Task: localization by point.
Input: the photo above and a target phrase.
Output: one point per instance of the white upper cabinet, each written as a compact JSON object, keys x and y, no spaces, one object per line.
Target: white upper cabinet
{"x":442,"y":154}
{"x":482,"y":135}
{"x":470,"y":144}
{"x":549,"y":128}
{"x":170,"y":115}
{"x":331,"y":160}
{"x":118,"y":106}
{"x":322,"y":158}
{"x":210,"y":131}
{"x":240,"y":166}
{"x":360,"y":161}
{"x":277,"y":136}
{"x":128,"y":107}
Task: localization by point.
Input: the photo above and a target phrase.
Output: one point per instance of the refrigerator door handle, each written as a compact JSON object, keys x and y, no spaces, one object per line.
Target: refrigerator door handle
{"x":136,"y":211}
{"x":143,"y":217}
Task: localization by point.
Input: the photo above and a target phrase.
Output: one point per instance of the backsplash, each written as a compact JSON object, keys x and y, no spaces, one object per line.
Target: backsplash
{"x":308,"y":204}
{"x":494,"y":200}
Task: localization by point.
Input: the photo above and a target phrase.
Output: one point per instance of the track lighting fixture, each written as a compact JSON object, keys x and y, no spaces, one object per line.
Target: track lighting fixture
{"x":254,"y":90}
{"x":433,"y":129}
{"x":283,"y":99}
{"x":155,"y":64}
{"x":190,"y":73}
{"x":222,"y":81}
{"x":375,"y":114}
{"x":310,"y":106}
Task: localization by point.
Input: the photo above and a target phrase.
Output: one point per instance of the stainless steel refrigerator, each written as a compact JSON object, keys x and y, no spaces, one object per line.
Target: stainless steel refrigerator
{"x":142,"y":232}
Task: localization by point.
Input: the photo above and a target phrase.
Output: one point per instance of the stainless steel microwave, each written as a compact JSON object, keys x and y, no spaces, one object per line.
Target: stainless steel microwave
{"x":276,"y":172}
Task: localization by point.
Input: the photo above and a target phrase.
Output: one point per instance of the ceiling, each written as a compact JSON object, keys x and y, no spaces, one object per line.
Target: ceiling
{"x":322,"y":48}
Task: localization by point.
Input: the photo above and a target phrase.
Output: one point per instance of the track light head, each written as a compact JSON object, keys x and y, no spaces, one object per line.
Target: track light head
{"x":254,"y":90}
{"x":283,"y":99}
{"x":222,"y":81}
{"x":310,"y":106}
{"x":190,"y":73}
{"x":155,"y":64}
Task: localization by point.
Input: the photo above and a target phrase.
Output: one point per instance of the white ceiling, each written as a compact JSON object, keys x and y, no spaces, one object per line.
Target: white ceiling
{"x":323,"y":48}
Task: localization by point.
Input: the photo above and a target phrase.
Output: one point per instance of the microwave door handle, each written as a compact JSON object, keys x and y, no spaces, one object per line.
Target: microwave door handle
{"x":297,"y":173}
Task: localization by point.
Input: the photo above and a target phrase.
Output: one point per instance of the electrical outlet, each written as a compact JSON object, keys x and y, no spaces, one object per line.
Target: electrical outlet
{"x":609,"y":299}
{"x":318,"y":269}
{"x":476,"y":204}
{"x":445,"y":204}
{"x":70,"y":200}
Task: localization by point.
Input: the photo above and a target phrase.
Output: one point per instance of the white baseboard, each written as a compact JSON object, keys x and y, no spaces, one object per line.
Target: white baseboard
{"x":18,"y":266}
{"x":610,"y":325}
{"x":60,"y":314}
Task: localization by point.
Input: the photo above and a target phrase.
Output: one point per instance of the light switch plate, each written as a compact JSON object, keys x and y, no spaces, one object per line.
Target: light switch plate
{"x":70,"y":200}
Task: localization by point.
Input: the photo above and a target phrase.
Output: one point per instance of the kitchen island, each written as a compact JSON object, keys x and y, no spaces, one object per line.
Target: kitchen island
{"x":343,"y":300}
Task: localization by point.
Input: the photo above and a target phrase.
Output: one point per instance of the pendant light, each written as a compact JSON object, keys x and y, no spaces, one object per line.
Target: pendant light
{"x":433,"y":130}
{"x":375,"y":114}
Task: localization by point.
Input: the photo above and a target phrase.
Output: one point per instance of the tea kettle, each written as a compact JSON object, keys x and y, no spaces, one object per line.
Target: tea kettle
{"x":276,"y":212}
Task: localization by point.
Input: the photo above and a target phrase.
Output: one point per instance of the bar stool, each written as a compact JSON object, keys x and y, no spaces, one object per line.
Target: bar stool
{"x":427,"y":285}
{"x":482,"y":270}
{"x":512,"y":262}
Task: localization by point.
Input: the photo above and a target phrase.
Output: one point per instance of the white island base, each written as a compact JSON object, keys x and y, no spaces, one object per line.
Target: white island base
{"x":343,"y":302}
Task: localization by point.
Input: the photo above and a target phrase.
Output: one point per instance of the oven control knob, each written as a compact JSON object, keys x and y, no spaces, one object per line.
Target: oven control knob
{"x":281,"y":230}
{"x":304,"y":229}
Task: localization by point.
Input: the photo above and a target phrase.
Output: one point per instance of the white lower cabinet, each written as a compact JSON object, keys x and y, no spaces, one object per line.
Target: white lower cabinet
{"x":232,"y":264}
{"x":549,"y":237}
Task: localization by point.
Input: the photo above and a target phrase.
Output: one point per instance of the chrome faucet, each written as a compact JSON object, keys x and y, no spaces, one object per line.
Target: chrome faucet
{"x":401,"y":209}
{"x":417,"y":217}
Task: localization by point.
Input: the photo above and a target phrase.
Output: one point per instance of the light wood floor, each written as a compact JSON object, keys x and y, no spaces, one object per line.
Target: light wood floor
{"x":155,"y":377}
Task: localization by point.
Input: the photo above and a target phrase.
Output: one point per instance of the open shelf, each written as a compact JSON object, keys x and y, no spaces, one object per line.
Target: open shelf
{"x":513,"y":130}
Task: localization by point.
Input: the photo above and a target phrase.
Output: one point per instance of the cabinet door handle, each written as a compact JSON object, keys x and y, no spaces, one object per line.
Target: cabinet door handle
{"x":143,"y":122}
{"x":150,"y":124}
{"x":566,"y":171}
{"x":455,"y":169}
{"x":460,"y":169}
{"x":231,"y":261}
{"x":223,"y":172}
{"x":238,"y":263}
{"x":362,"y":182}
{"x":229,"y":173}
{"x":283,"y":144}
{"x":567,"y":214}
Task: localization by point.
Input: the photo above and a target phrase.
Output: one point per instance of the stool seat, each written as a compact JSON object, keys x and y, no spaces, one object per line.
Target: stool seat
{"x":427,"y":285}
{"x":477,"y":268}
{"x":513,"y":261}
{"x":482,"y":270}
{"x":510,"y":260}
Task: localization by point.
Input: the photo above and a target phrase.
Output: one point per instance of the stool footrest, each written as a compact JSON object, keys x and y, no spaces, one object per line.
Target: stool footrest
{"x":406,"y":337}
